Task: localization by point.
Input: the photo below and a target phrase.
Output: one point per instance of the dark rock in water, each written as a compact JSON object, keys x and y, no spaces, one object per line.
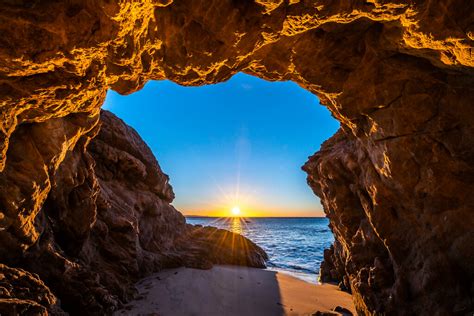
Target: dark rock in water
{"x":331,"y":271}
{"x":203,"y":246}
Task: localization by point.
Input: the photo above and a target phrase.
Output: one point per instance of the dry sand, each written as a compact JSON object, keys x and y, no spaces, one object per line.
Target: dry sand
{"x":232,"y":291}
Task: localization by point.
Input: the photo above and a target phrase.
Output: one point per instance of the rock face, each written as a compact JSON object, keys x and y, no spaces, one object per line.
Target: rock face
{"x":107,"y":221}
{"x":396,"y":181}
{"x":394,"y":246}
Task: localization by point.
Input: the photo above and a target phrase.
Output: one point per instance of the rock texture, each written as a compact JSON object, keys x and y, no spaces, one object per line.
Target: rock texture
{"x":107,"y":221}
{"x":396,"y":181}
{"x":200,"y":247}
{"x":22,"y":293}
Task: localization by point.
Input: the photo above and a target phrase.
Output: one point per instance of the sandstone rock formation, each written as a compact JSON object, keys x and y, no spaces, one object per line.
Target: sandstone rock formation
{"x":200,"y":247}
{"x":107,"y":221}
{"x":396,"y":181}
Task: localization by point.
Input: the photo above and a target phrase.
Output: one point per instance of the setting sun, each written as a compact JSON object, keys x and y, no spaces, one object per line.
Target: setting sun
{"x":236,"y":211}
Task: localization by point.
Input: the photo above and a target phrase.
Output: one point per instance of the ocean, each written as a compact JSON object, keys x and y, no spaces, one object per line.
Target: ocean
{"x":294,"y":245}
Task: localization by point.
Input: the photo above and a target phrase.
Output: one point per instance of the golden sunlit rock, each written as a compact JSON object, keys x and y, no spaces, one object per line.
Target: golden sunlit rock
{"x":396,"y":181}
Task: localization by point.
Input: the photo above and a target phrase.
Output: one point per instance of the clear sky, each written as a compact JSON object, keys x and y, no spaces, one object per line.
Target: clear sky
{"x":238,"y":143}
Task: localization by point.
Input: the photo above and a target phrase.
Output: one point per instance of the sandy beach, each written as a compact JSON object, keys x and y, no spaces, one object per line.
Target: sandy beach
{"x":232,"y":291}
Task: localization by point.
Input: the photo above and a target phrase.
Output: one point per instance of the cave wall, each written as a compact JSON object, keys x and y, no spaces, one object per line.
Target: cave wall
{"x":395,"y":181}
{"x":106,"y":221}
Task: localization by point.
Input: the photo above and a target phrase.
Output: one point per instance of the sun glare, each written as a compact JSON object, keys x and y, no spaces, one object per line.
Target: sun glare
{"x":236,"y":211}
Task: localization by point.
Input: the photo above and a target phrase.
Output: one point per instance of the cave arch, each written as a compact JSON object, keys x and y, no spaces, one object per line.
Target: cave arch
{"x":398,"y":76}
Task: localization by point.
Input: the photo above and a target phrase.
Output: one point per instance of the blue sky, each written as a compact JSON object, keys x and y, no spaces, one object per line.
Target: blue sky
{"x":241,"y":142}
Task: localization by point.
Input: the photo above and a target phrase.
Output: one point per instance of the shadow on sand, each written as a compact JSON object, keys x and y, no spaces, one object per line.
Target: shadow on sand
{"x":223,"y":290}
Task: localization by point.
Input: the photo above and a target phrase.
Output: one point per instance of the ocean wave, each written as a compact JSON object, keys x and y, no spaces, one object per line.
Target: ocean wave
{"x":294,"y":246}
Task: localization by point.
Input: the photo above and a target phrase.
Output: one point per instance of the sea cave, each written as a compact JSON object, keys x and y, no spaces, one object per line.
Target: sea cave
{"x":85,"y":209}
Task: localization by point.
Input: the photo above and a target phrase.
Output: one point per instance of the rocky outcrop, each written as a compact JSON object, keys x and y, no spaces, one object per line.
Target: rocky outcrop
{"x":394,"y":247}
{"x":201,"y":247}
{"x":395,"y":181}
{"x":107,"y":221}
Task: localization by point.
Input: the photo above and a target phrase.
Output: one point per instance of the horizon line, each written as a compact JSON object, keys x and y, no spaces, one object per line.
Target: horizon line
{"x":214,"y":216}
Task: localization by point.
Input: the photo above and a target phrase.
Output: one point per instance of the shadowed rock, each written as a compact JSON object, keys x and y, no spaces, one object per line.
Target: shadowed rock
{"x":203,"y":246}
{"x":107,"y":222}
{"x":23,"y":293}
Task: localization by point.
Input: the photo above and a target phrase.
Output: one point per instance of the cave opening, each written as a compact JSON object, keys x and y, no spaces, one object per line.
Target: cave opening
{"x":234,"y":152}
